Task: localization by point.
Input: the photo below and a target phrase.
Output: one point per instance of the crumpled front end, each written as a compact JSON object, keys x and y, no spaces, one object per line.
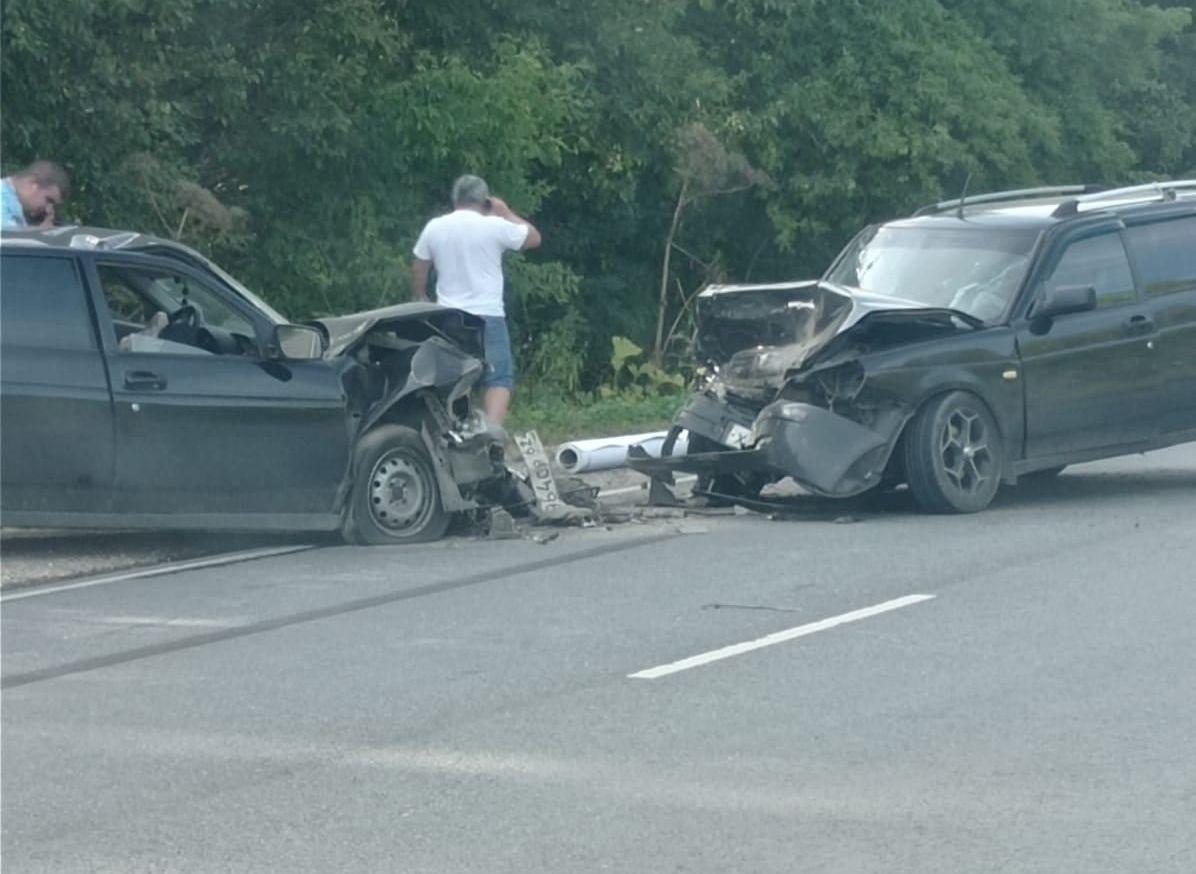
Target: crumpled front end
{"x":786,"y":393}
{"x":826,"y":452}
{"x":418,"y":365}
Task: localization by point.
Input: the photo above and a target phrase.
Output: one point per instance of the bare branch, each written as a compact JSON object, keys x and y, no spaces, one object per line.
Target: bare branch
{"x":685,"y":304}
{"x":662,"y":304}
{"x":691,"y":256}
{"x":166,"y":226}
{"x":178,"y":235}
{"x":752,"y":263}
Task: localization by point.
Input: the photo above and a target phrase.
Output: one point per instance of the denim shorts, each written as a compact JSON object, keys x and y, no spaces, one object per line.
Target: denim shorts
{"x":500,"y":362}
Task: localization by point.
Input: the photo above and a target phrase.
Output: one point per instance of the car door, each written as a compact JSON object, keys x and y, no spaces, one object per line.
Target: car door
{"x":56,"y":449}
{"x":206,"y":427}
{"x":1163,"y":250}
{"x":1090,"y":378}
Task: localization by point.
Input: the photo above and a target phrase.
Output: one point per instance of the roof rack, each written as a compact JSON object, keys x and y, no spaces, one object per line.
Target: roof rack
{"x":1152,"y":192}
{"x":1006,"y":196}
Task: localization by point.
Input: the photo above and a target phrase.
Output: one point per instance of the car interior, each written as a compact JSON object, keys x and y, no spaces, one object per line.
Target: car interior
{"x":154,"y":311}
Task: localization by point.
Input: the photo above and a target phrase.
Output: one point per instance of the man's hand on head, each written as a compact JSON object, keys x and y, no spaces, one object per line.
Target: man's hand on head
{"x":499,"y":207}
{"x":48,"y":216}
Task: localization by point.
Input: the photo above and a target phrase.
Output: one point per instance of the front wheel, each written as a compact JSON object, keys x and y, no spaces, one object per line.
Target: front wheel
{"x":953,"y":455}
{"x":396,"y":496}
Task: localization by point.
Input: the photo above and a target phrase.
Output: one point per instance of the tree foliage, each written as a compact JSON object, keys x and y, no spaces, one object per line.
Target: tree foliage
{"x":305,"y":142}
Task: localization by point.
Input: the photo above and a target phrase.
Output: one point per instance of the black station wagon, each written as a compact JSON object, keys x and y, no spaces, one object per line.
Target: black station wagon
{"x":142,"y":386}
{"x":983,"y":339}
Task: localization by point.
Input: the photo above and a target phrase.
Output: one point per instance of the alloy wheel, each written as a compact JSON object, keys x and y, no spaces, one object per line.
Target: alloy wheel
{"x":964,"y":453}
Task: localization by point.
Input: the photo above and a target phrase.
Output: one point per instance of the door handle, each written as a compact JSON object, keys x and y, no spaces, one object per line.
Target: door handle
{"x":1138,"y":324}
{"x":144,"y":380}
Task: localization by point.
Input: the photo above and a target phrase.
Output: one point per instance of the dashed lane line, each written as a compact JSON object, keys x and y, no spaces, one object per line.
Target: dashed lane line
{"x":727,"y":652}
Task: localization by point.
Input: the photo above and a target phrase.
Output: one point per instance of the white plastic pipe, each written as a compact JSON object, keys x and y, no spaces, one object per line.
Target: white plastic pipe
{"x":607,"y":453}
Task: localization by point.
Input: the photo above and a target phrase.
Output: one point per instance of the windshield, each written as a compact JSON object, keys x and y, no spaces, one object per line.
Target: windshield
{"x":975,"y":271}
{"x":197,"y":260}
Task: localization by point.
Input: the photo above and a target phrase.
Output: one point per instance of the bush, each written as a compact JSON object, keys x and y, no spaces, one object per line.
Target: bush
{"x":559,"y":418}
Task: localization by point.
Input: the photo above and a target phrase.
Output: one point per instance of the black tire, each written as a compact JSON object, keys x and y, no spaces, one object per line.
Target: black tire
{"x":1048,"y":473}
{"x":396,"y":496}
{"x":953,"y":455}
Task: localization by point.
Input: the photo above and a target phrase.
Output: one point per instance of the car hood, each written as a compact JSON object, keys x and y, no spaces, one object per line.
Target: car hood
{"x":412,"y":321}
{"x":759,"y":334}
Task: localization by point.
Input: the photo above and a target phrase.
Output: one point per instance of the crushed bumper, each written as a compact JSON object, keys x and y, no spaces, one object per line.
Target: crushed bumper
{"x":824,"y":452}
{"x":701,"y":463}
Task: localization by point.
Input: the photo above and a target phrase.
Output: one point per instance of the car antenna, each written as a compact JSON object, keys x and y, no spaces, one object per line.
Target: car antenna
{"x":963,"y":195}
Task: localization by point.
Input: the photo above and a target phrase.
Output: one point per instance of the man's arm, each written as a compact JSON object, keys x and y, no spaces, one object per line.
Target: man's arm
{"x":499,"y":208}
{"x":419,"y":278}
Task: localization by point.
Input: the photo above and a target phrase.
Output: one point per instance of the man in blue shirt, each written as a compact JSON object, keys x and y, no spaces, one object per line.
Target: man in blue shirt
{"x":30,"y":197}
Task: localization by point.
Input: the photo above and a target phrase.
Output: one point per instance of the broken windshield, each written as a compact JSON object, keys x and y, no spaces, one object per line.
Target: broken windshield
{"x":974,"y":271}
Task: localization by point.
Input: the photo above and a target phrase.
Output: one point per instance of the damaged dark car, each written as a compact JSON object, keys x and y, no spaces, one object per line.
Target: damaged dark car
{"x":981,"y":340}
{"x":145,"y":387}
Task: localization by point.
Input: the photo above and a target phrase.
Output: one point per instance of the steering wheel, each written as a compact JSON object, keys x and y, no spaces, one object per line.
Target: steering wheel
{"x":182,"y":325}
{"x":186,"y":315}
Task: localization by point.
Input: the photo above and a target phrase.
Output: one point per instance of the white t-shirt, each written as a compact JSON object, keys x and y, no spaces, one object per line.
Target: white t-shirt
{"x":466,"y":248}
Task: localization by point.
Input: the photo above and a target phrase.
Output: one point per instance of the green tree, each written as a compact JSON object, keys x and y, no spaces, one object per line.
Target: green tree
{"x":1099,"y":67}
{"x":305,"y":142}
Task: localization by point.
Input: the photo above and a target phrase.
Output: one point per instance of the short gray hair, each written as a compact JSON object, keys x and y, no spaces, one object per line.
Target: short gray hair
{"x":470,"y":189}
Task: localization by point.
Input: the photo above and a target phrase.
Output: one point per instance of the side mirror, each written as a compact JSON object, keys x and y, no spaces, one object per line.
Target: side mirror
{"x":1065,"y":299}
{"x":298,"y":342}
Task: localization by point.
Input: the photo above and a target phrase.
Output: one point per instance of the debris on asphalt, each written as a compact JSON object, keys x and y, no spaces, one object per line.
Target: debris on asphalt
{"x":768,"y":607}
{"x":615,"y":516}
{"x":661,"y":512}
{"x":501,"y":526}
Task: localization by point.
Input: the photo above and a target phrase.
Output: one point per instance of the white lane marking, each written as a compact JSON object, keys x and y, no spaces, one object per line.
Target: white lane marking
{"x":727,"y":652}
{"x":641,"y":488}
{"x":157,"y":570}
{"x":164,"y":621}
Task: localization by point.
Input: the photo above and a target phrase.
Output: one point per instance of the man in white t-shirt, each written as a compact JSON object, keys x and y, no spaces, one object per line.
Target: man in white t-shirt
{"x":466,"y":247}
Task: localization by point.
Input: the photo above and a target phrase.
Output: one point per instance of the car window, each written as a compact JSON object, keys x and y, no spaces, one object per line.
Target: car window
{"x":975,"y":271}
{"x":1165,"y":254}
{"x":156,"y":310}
{"x":44,"y":303}
{"x":1098,"y":261}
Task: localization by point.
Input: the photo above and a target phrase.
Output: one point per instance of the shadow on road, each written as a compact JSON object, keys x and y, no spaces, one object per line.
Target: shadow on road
{"x":1076,"y":486}
{"x":1070,"y":487}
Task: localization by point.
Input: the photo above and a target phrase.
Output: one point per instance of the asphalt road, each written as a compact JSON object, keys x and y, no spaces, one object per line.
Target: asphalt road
{"x":574,"y":707}
{"x":35,"y":557}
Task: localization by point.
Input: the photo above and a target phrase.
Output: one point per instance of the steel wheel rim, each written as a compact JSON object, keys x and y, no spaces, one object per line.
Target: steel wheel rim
{"x":965,"y":454}
{"x":400,"y":492}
